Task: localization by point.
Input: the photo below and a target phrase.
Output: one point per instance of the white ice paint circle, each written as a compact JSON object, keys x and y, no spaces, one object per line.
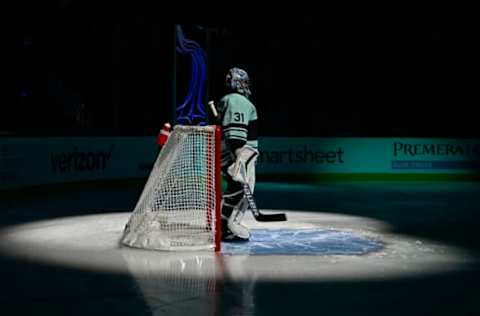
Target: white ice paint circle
{"x":92,"y":243}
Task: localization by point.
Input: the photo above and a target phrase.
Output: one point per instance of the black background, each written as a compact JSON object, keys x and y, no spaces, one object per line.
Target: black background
{"x":314,"y":71}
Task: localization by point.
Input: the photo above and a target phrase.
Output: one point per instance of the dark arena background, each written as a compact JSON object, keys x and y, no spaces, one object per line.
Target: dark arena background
{"x":368,"y":136}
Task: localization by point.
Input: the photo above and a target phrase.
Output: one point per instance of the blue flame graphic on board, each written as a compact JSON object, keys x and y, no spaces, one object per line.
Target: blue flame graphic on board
{"x":192,"y":110}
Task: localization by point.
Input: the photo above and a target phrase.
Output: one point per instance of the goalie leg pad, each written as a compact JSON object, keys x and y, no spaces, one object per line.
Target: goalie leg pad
{"x":234,"y":221}
{"x":232,"y":195}
{"x":232,"y":229}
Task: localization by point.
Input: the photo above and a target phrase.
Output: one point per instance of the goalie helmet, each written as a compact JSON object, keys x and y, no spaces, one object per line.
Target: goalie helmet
{"x":238,"y":80}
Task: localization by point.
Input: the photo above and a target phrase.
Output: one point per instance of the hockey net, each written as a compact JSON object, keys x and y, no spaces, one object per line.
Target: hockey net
{"x":179,"y":208}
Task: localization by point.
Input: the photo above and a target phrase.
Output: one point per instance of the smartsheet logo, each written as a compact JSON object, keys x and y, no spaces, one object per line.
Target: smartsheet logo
{"x":305,"y":155}
{"x":439,"y":149}
{"x":78,"y":161}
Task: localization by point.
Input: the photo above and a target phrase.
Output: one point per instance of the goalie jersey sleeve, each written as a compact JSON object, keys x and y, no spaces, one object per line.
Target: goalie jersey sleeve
{"x":239,"y":125}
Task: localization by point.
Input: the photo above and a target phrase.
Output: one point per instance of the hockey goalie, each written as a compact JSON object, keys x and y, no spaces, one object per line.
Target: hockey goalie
{"x":238,"y":118}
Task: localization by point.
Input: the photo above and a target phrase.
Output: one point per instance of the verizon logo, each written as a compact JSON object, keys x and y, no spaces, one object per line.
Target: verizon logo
{"x":79,"y":161}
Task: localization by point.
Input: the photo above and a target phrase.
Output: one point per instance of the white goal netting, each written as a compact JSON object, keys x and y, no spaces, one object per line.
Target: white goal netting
{"x":177,"y":208}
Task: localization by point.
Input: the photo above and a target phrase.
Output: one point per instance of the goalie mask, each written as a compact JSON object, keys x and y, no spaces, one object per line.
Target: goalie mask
{"x":238,"y":80}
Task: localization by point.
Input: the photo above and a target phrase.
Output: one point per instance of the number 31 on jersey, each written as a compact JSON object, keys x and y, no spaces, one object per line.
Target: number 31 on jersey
{"x":238,"y":117}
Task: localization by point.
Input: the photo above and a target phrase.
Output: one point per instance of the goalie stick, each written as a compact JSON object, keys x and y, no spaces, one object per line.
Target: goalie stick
{"x":261,"y":217}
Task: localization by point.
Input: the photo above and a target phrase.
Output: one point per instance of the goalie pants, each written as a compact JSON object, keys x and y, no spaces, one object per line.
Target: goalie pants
{"x":232,"y":195}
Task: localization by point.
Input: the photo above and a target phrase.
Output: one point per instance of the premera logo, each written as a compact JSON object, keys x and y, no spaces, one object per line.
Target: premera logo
{"x":79,"y":161}
{"x":302,"y":156}
{"x":436,"y":149}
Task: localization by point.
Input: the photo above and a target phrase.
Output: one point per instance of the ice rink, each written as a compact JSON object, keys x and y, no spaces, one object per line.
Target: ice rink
{"x":367,"y":248}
